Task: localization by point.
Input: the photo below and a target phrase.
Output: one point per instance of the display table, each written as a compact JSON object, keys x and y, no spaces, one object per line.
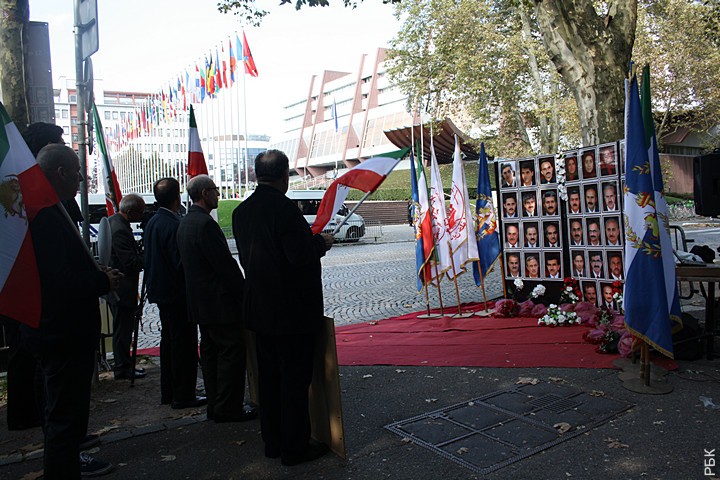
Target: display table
{"x":709,"y":274}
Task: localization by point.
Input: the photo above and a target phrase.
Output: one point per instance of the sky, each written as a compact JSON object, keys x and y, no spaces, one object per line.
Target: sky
{"x":146,"y":43}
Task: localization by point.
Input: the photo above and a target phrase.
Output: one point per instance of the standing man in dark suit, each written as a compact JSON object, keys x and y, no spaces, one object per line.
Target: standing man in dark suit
{"x":69,"y":331}
{"x":214,"y":286}
{"x":165,"y":281}
{"x":276,"y":247}
{"x":126,"y":257}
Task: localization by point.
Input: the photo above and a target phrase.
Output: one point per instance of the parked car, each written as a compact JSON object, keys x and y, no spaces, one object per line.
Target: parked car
{"x":308,"y":202}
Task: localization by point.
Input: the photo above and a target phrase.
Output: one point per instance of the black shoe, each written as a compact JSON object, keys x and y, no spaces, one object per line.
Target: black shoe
{"x":197,"y":402}
{"x":89,"y":442}
{"x":235,"y":417}
{"x":311,"y":452}
{"x":127,"y":375}
{"x":92,"y":467}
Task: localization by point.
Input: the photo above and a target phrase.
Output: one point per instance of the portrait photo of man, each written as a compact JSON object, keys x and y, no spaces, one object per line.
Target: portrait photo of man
{"x":547,"y":170}
{"x":589,"y":292}
{"x":578,"y":262}
{"x":591,"y":205}
{"x":509,"y":205}
{"x":612,"y":231}
{"x":550,"y":204}
{"x":512,"y":235}
{"x":527,"y":173}
{"x":607,"y":296}
{"x":552,"y":234}
{"x":588,"y":164}
{"x":609,"y":190}
{"x":576,"y":232}
{"x":593,"y":232}
{"x":529,"y":204}
{"x":596,"y":265}
{"x":531,"y":235}
{"x":552,"y":265}
{"x":574,"y":204}
{"x":508,"y":175}
{"x":512,"y":260}
{"x":607,"y":160}
{"x":571,"y":168}
{"x":532,"y":265}
{"x":615,"y":264}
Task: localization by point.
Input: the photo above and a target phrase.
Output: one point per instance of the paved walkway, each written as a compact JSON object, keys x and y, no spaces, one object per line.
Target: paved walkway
{"x":369,"y":280}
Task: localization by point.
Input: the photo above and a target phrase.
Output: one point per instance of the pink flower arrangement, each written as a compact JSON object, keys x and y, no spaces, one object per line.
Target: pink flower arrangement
{"x":506,"y":308}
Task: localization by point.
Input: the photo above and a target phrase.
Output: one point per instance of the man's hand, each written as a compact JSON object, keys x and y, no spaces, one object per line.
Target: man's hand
{"x":329,"y":240}
{"x":114,"y":275}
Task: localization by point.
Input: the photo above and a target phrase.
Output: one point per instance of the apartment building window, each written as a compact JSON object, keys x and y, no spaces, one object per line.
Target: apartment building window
{"x":65,"y":113}
{"x":73,"y":121}
{"x":57,"y":113}
{"x":122,"y":115}
{"x":107,"y":115}
{"x":115,"y":115}
{"x":72,"y":98}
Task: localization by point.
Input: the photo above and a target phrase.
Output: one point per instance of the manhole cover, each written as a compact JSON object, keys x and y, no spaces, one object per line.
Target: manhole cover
{"x":487,"y":433}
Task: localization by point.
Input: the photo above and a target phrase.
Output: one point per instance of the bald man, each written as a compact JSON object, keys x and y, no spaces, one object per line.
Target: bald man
{"x":69,"y":332}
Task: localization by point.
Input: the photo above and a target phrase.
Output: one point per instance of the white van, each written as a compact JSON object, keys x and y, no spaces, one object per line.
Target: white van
{"x":308,"y":202}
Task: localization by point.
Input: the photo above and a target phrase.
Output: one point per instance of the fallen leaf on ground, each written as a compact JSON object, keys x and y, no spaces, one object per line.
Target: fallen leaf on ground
{"x":462,"y":450}
{"x":527,"y":381}
{"x":615,"y":443}
{"x":597,"y":393}
{"x":367,"y":376}
{"x":556,"y":379}
{"x":562,"y":427}
{"x":400,"y":371}
{"x":109,"y":400}
{"x":431,"y":400}
{"x":239,"y":442}
{"x":406,"y":440}
{"x":167,"y":458}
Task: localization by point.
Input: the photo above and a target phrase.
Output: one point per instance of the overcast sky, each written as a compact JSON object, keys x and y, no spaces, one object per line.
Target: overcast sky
{"x":145,"y":43}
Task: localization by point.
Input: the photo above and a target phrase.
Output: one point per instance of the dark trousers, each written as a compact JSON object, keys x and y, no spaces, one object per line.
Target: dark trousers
{"x":223,"y":360}
{"x":23,"y":409}
{"x":285,"y":364}
{"x":178,"y":354}
{"x":67,"y":374}
{"x":123,"y":326}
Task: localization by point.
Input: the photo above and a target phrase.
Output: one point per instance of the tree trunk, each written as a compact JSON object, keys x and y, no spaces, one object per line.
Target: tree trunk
{"x":14,"y":15}
{"x":592,"y":54}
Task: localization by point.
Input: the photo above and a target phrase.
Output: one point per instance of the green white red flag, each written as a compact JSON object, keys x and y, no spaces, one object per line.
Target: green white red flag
{"x":113,"y":195}
{"x":196,"y":159}
{"x":24,"y":191}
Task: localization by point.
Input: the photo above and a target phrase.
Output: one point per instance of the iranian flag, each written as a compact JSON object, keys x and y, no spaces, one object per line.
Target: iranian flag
{"x":113,"y":195}
{"x":366,"y":177}
{"x":196,"y":159}
{"x":24,"y":191}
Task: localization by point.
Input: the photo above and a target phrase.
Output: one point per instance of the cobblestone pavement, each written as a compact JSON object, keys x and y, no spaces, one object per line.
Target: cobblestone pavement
{"x":369,"y":280}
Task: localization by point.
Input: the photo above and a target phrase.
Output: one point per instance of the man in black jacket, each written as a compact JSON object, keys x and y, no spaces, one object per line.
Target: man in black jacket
{"x":127,"y":258}
{"x":276,"y":247}
{"x":214,"y":286}
{"x":165,"y":283}
{"x":69,"y":330}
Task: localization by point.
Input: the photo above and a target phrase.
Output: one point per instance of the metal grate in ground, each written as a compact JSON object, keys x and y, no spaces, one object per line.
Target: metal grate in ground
{"x":492,"y":431}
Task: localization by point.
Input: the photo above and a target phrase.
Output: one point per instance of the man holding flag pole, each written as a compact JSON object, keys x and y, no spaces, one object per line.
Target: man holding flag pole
{"x":488,"y":243}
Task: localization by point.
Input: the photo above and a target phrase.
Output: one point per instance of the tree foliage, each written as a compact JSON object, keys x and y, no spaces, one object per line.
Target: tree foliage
{"x":680,"y":41}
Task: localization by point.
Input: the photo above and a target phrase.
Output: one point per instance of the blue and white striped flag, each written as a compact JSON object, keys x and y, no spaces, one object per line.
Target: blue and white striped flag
{"x":488,"y":242}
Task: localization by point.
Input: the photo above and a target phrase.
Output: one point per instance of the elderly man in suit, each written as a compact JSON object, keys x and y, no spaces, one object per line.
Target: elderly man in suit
{"x":276,"y":247}
{"x":165,"y":280}
{"x":126,"y":257}
{"x":214,"y":286}
{"x":69,"y":331}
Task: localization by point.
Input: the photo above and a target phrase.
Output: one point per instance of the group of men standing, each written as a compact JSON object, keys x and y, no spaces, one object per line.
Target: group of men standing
{"x":192,"y":276}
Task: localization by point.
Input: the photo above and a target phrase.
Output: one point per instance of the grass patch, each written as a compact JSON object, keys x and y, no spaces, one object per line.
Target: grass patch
{"x":225,"y":210}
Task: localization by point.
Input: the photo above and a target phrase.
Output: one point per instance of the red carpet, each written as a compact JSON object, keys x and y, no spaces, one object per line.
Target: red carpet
{"x":469,"y":342}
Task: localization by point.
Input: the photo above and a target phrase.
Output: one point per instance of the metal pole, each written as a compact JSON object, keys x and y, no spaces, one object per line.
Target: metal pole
{"x":81,"y":122}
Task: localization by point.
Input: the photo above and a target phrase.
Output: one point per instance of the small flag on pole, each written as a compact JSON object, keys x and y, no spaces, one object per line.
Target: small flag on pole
{"x":463,"y":247}
{"x":488,"y":242}
{"x":196,"y":158}
{"x":422,"y":222}
{"x":25,"y":191}
{"x":366,"y":177}
{"x":113,"y":195}
{"x":248,"y":58}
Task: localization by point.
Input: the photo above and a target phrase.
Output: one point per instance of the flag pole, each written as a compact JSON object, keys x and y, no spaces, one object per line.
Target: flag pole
{"x":457,"y":290}
{"x":439,"y":279}
{"x":244,"y":74}
{"x":484,"y":312}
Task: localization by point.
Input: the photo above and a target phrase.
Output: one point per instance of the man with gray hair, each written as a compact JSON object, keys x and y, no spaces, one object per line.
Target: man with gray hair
{"x":214,"y":286}
{"x":69,"y":331}
{"x":126,"y":257}
{"x":276,"y":247}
